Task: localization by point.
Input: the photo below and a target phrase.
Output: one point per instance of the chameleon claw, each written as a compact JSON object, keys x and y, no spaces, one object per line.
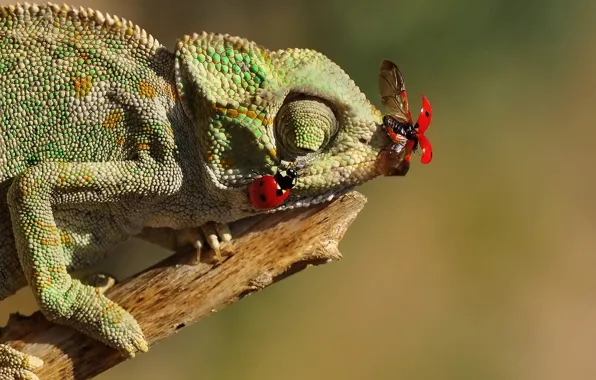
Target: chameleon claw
{"x":194,"y":237}
{"x":223,"y":231}
{"x":215,"y":234}
{"x":210,"y":233}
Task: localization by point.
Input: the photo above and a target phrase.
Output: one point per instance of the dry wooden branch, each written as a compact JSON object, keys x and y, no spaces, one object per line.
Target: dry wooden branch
{"x":265,"y":249}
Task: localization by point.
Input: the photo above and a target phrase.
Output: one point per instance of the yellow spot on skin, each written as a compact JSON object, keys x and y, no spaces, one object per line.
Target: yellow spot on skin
{"x":76,"y":38}
{"x":265,"y":55}
{"x":46,"y":227}
{"x":62,"y":179}
{"x":120,"y":141}
{"x":82,"y":86}
{"x":233,"y":113}
{"x":227,"y":163}
{"x":112,"y":120}
{"x":146,"y":90}
{"x":85,"y":57}
{"x":273,"y":153}
{"x":88,"y":178}
{"x":50,"y":242}
{"x":65,"y":238}
{"x":170,"y":91}
{"x":142,"y":146}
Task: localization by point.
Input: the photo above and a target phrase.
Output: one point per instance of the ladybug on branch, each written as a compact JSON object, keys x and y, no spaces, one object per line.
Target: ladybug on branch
{"x":270,"y":191}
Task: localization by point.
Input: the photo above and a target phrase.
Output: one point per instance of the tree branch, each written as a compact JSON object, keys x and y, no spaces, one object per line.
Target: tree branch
{"x":265,"y":249}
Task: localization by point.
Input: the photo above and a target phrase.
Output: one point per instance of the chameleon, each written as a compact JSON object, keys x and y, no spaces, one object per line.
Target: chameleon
{"x":105,"y":133}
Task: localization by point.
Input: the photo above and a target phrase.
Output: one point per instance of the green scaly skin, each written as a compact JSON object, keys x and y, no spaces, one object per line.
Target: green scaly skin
{"x":104,"y":132}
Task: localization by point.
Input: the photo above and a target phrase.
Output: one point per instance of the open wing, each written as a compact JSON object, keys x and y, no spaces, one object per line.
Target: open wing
{"x":392,"y":90}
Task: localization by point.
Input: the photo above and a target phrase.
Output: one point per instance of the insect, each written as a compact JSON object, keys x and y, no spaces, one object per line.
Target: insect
{"x":398,"y":122}
{"x":270,"y":191}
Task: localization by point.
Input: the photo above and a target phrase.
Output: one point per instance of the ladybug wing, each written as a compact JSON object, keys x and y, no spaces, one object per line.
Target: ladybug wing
{"x":426,"y":114}
{"x":265,"y":194}
{"x":392,"y":91}
{"x":427,"y":149}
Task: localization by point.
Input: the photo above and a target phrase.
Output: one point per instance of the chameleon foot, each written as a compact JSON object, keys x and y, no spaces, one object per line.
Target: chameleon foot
{"x":17,"y":365}
{"x":211,"y":233}
{"x":87,"y":310}
{"x":215,"y":234}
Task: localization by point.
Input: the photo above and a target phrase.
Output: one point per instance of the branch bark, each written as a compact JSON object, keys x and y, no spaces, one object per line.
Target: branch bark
{"x":265,"y":249}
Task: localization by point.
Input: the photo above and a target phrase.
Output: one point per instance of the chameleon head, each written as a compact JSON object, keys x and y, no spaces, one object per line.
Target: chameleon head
{"x":271,"y":109}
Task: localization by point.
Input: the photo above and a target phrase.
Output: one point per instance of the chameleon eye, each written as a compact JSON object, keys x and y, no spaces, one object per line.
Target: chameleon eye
{"x":304,"y":125}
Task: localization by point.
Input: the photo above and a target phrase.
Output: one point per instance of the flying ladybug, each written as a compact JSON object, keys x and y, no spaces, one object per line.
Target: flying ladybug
{"x":398,"y":121}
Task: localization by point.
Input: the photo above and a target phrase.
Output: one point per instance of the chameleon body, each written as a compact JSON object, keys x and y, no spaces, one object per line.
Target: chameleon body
{"x":104,"y":132}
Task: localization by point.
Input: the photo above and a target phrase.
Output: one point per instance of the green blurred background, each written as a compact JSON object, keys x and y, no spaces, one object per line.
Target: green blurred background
{"x":478,"y":266}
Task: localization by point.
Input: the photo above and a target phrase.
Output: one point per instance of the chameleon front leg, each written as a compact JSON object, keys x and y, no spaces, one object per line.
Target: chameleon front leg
{"x":17,"y":365}
{"x":61,"y":298}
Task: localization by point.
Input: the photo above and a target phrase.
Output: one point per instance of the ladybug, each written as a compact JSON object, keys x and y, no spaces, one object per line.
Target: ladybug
{"x":398,"y":123}
{"x":270,"y":191}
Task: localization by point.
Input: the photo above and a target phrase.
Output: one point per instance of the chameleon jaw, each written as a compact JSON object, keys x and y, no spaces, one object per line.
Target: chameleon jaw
{"x":327,"y":196}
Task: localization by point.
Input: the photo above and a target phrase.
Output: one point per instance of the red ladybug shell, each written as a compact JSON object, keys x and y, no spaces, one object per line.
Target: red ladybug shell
{"x":264,"y":193}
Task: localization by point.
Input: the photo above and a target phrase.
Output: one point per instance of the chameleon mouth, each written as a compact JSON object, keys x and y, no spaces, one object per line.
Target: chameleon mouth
{"x":391,"y":162}
{"x":369,"y":170}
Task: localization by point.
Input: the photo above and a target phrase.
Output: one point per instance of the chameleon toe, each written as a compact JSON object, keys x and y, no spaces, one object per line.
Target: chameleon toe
{"x":223,"y":231}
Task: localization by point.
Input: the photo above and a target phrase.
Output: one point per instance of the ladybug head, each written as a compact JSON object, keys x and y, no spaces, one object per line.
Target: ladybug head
{"x":286,"y":179}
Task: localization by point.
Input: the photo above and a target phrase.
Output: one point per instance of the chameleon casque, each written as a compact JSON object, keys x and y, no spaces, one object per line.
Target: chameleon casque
{"x":105,"y":132}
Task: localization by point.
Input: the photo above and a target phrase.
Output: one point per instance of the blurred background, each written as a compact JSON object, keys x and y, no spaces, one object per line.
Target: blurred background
{"x":477,"y":266}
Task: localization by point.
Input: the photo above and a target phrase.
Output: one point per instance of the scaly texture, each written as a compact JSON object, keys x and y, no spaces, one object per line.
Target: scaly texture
{"x":104,"y":132}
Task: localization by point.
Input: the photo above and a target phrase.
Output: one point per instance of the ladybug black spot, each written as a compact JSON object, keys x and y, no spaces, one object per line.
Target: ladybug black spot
{"x":261,"y":183}
{"x":279,"y":192}
{"x":263,"y":198}
{"x":427,"y":114}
